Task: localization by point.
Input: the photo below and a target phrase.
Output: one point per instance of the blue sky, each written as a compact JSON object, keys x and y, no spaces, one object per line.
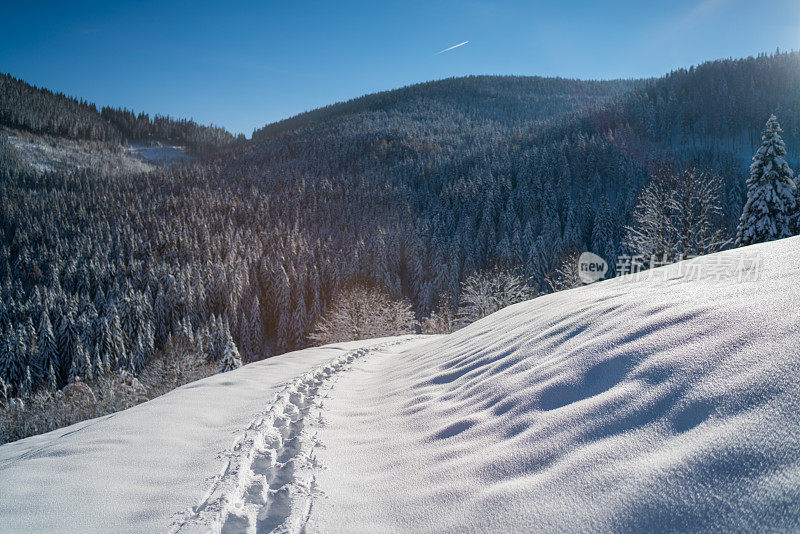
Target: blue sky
{"x":242,"y":65}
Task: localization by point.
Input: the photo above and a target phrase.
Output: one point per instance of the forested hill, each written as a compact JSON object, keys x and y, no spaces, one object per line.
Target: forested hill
{"x":719,"y":105}
{"x":42,"y":111}
{"x":509,"y":100}
{"x":551,"y":153}
{"x":420,"y":187}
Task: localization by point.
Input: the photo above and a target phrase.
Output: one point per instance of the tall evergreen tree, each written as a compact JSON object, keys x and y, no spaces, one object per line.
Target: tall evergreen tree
{"x":230,"y":359}
{"x":48,"y":350}
{"x":771,"y":208}
{"x":68,"y":342}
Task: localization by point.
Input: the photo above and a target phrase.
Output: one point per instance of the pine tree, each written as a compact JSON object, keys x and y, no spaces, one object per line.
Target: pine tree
{"x":52,"y":383}
{"x":139,"y":354}
{"x":255,"y":326}
{"x":12,"y":366}
{"x":186,"y":331}
{"x":98,"y":366}
{"x":118,"y":358}
{"x":68,"y":342}
{"x":230,"y":355}
{"x":27,"y":383}
{"x":284,"y":310}
{"x":3,"y":391}
{"x":105,"y":344}
{"x":299,"y":318}
{"x":162,"y":317}
{"x":771,"y":208}
{"x":81,"y":365}
{"x":603,"y":228}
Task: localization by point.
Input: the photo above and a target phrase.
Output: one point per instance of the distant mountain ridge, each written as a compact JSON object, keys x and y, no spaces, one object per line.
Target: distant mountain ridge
{"x":714,"y":105}
{"x":532,"y":97}
{"x":717,"y":104}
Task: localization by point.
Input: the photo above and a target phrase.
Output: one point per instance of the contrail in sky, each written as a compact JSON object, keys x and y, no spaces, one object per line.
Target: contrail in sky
{"x":452,"y":47}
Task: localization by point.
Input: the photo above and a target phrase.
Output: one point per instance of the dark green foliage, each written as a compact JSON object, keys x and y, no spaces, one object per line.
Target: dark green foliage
{"x":771,"y":211}
{"x":720,"y":105}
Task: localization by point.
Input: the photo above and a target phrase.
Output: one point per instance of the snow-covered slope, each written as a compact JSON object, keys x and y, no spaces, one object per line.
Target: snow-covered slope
{"x":138,"y":470}
{"x":41,"y":154}
{"x":650,"y":405}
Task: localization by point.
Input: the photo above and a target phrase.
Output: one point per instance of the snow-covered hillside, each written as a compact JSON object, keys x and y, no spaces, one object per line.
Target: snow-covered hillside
{"x":41,"y":154}
{"x":666,"y":404}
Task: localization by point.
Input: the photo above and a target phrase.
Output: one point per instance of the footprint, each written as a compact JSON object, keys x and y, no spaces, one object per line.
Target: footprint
{"x":272,"y":463}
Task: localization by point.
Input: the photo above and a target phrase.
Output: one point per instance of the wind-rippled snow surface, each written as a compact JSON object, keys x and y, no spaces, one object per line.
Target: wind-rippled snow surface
{"x":627,"y":406}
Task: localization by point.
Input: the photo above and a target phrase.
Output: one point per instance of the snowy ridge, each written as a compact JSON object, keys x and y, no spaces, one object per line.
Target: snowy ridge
{"x":269,"y":481}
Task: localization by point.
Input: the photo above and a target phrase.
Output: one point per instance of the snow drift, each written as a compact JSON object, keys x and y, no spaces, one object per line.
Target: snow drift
{"x":628,"y":405}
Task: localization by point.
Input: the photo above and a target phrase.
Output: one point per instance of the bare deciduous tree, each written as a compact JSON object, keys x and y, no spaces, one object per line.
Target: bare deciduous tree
{"x":678,"y":214}
{"x":359,"y":311}
{"x":440,"y":321}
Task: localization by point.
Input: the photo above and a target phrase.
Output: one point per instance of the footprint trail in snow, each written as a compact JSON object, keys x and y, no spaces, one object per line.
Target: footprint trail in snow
{"x":269,"y":482}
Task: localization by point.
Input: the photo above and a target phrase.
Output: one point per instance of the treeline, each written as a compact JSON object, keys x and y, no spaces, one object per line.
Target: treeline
{"x":99,"y":272}
{"x":44,"y":112}
{"x":206,"y":140}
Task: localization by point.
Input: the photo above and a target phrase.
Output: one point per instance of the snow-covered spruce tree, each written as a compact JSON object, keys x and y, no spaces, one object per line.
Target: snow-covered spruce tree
{"x":214,"y":335}
{"x":81,"y":366}
{"x":255,"y":329}
{"x":603,"y":227}
{"x":48,"y":349}
{"x":52,"y":383}
{"x":771,"y":208}
{"x":284,"y":309}
{"x":12,"y":364}
{"x":230,"y":355}
{"x":67,"y":341}
{"x":27,"y":383}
